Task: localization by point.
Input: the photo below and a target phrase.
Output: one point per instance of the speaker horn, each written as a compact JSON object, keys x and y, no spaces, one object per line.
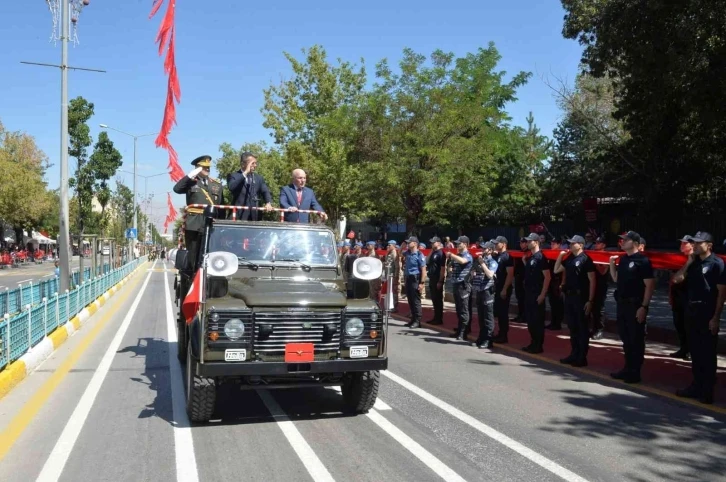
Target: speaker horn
{"x":367,"y":268}
{"x":222,"y":263}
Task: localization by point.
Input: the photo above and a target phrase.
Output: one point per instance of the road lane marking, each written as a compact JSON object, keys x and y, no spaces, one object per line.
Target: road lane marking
{"x":53,"y":467}
{"x":512,"y":444}
{"x":312,"y":463}
{"x":186,"y":462}
{"x":440,"y":468}
{"x":380,"y":405}
{"x":26,"y":415}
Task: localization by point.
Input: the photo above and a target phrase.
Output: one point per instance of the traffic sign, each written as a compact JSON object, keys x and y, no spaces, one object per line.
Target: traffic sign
{"x":131,"y":233}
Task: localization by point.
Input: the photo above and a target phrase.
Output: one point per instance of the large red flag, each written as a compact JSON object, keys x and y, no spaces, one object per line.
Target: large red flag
{"x":194,"y":298}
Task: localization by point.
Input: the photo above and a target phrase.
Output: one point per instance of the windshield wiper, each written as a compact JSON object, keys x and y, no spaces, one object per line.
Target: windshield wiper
{"x":304,"y":266}
{"x":243,"y":262}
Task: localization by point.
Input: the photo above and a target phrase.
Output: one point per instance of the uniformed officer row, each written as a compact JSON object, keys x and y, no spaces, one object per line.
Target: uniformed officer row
{"x":246,"y":188}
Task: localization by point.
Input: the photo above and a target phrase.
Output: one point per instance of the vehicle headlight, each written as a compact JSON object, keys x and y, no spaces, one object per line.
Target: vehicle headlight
{"x":354,"y":327}
{"x":234,"y":329}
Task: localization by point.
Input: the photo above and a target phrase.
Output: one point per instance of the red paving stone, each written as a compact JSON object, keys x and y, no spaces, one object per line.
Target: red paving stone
{"x":660,"y":374}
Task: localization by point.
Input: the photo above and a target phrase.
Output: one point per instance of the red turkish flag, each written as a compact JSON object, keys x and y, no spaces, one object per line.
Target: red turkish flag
{"x":194,"y":298}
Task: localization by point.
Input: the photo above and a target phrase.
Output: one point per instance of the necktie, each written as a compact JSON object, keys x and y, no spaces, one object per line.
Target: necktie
{"x":299,"y":196}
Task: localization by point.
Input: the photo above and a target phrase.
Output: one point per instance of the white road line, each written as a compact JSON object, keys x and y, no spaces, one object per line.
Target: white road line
{"x":53,"y":467}
{"x":530,"y":454}
{"x":312,"y":463}
{"x":441,"y":469}
{"x":186,"y":462}
{"x":379,"y":405}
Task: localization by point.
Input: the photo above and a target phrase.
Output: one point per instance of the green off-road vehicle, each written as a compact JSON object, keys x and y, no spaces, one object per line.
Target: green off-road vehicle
{"x":276,"y":312}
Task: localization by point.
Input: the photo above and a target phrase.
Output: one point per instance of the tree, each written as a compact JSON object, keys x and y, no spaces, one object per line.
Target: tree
{"x":92,"y":174}
{"x":444,"y":132}
{"x":668,"y":76}
{"x":23,"y":192}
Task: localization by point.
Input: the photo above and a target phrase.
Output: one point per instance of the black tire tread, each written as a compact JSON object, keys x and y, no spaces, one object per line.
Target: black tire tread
{"x":201,"y":403}
{"x":360,"y":391}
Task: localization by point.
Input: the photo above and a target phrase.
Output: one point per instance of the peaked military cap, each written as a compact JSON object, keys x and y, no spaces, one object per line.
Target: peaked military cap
{"x":202,"y":161}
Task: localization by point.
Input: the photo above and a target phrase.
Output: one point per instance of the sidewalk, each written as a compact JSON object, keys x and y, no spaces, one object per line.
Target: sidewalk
{"x":661,"y":374}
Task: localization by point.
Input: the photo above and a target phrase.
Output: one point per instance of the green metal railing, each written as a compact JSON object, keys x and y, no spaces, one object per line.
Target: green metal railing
{"x":40,"y":309}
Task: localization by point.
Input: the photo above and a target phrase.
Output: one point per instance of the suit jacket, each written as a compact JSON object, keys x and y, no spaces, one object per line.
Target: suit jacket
{"x":248,"y":194}
{"x":288,"y":199}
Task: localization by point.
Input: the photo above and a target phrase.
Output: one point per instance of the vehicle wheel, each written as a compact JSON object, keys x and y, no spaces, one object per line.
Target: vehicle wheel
{"x":360,"y":391}
{"x":181,"y":344}
{"x":201,"y":392}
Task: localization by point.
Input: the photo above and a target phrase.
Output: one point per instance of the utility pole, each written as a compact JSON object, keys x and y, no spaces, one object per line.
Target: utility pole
{"x":64,"y":243}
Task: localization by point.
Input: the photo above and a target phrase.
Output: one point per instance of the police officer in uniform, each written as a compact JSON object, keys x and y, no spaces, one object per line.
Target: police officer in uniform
{"x":579,"y":289}
{"x":706,"y":293}
{"x":415,"y":276}
{"x":199,"y":188}
{"x":436,"y":270}
{"x":519,"y":282}
{"x":635,"y":285}
{"x":462,"y":264}
{"x":503,"y":287}
{"x":557,"y":304}
{"x":485,"y":287}
{"x":679,"y":303}
{"x":536,"y":284}
{"x":602,"y":277}
{"x":375,"y":284}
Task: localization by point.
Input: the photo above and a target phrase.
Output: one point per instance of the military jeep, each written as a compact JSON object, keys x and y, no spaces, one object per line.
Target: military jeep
{"x":275,"y":312}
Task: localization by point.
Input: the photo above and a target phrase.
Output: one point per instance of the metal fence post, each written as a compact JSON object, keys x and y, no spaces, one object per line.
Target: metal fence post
{"x":45,"y":316}
{"x":7,"y":335}
{"x":68,"y":306}
{"x":30,"y":328}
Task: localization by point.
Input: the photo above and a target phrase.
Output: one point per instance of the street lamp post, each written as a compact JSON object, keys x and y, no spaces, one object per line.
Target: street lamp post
{"x":135,"y":137}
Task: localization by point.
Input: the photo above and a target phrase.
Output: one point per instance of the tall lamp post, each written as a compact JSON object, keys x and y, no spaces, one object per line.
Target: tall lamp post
{"x":135,"y":137}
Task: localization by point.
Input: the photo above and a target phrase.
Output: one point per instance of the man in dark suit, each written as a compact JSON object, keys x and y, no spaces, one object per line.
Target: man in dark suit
{"x":296,"y":197}
{"x":247,"y":186}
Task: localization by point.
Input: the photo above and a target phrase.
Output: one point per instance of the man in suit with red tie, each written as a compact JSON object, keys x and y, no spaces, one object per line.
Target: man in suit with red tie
{"x":296,"y":197}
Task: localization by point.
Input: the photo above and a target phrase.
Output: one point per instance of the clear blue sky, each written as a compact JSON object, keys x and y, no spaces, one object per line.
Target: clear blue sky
{"x":229,"y":50}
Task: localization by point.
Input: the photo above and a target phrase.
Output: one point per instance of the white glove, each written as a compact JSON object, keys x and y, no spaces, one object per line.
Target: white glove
{"x":194,"y":173}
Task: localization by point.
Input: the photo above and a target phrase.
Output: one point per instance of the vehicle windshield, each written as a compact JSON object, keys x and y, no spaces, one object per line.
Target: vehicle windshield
{"x":267,"y":245}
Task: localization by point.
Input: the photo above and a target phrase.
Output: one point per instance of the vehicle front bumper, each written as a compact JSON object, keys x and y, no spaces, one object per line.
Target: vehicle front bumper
{"x":257,"y":368}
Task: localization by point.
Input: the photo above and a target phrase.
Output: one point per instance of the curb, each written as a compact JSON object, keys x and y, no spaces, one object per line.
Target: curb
{"x":31,"y":360}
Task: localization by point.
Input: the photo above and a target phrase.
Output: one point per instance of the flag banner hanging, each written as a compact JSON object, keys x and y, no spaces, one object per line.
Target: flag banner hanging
{"x":193,"y":300}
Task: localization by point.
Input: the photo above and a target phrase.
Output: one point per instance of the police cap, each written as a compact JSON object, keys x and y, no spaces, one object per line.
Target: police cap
{"x":202,"y":161}
{"x":702,"y":237}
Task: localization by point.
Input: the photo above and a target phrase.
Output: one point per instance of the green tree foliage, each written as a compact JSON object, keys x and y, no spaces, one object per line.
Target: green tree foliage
{"x":24,"y":201}
{"x":92,"y":174}
{"x":667,"y":63}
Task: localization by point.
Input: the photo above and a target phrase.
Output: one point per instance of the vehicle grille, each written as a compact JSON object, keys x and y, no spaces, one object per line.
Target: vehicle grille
{"x":225,"y":316}
{"x":297,"y":327}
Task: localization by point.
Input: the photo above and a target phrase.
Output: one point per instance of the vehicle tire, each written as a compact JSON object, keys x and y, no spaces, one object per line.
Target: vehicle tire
{"x":201,"y":392}
{"x":360,"y":391}
{"x":181,"y":344}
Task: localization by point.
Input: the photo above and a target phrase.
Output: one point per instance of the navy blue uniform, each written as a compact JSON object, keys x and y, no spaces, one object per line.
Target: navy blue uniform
{"x":577,"y":293}
{"x":703,"y":277}
{"x":534,"y":268}
{"x":632,"y":271}
{"x":414,"y":264}
{"x":461,"y":276}
{"x":501,"y":306}
{"x":485,"y":295}
{"x":436,"y":263}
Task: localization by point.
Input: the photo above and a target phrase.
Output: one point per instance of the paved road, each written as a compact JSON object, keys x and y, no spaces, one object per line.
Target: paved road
{"x":10,"y":277}
{"x":108,"y":406}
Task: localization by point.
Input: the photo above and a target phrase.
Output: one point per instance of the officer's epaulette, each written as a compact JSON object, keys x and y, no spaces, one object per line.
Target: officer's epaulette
{"x":214,"y":180}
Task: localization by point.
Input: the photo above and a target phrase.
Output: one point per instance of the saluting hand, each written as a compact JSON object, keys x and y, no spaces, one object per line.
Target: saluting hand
{"x":194,"y":173}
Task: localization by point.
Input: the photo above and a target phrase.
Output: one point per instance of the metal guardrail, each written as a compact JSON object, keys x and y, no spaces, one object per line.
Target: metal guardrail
{"x":40,"y":309}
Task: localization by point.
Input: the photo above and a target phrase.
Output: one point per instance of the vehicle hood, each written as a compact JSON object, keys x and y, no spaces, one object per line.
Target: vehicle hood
{"x":285,"y":292}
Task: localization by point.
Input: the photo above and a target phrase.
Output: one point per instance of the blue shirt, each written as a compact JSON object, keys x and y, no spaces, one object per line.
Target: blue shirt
{"x":414,"y":263}
{"x":481,"y":281}
{"x":461,"y":270}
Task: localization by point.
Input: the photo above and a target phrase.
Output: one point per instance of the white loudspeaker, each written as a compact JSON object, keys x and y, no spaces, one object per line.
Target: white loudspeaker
{"x":222,"y":263}
{"x":172,"y":255}
{"x":367,"y":268}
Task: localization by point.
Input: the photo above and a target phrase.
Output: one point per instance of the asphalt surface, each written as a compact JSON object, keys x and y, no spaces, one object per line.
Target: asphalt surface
{"x":10,"y":277}
{"x":106,"y":407}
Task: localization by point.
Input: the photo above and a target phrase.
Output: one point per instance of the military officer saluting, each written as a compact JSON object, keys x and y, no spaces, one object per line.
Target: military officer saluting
{"x":199,"y":188}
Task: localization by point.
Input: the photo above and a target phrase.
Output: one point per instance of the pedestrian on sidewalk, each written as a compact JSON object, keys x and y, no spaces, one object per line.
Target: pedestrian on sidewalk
{"x":484,"y":286}
{"x":436,"y":273}
{"x":415,"y":277}
{"x":536,"y":283}
{"x":635,"y":285}
{"x":679,"y":301}
{"x":579,"y":289}
{"x":462,"y":263}
{"x":706,"y":296}
{"x":503,"y":288}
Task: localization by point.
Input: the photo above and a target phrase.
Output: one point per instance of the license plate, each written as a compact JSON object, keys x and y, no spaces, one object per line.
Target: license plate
{"x":359,"y":352}
{"x":235,"y":355}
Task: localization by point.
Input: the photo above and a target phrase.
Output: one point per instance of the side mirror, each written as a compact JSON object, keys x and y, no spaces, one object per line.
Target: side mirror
{"x":182,"y":260}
